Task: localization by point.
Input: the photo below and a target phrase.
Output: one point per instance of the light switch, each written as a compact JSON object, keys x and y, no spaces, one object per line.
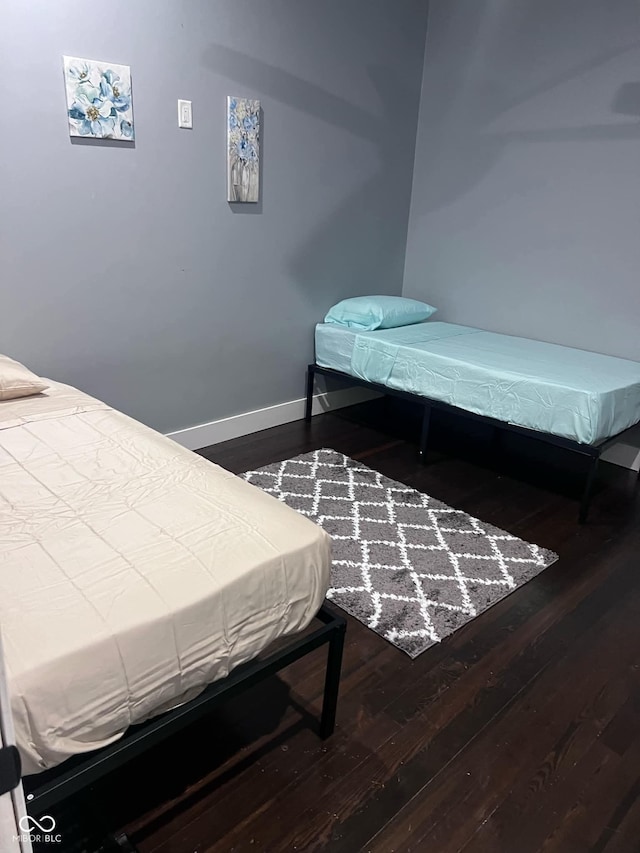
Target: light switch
{"x":185,"y":118}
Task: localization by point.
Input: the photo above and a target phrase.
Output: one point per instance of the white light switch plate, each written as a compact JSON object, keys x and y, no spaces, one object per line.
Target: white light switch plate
{"x":185,"y":117}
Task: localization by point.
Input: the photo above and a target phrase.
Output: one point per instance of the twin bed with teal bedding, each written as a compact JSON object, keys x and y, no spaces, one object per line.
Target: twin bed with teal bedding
{"x":579,"y":399}
{"x":579,"y":395}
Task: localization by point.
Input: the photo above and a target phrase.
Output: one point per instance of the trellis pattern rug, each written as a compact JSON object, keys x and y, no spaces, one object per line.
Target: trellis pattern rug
{"x":406,"y":565}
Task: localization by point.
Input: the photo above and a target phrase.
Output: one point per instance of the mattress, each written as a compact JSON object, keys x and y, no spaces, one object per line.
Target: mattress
{"x":334,"y":346}
{"x":575,"y":394}
{"x":132,"y":572}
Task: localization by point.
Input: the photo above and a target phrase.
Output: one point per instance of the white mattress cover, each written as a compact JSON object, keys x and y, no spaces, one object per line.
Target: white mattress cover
{"x":132,"y":572}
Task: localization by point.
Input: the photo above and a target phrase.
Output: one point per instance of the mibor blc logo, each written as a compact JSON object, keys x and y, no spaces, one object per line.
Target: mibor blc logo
{"x":40,"y":831}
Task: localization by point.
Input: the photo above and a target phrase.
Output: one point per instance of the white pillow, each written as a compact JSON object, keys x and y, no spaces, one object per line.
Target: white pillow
{"x":17,"y":381}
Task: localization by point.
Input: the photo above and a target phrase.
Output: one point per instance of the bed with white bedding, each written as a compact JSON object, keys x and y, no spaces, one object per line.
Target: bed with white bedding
{"x":133,"y":573}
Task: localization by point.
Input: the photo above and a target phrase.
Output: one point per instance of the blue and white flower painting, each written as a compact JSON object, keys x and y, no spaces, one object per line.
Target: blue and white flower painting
{"x":99,"y":101}
{"x":243,"y":135}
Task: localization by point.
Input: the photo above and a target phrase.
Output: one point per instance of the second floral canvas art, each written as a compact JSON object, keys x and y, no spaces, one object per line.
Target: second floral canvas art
{"x":99,"y":101}
{"x":243,"y":167}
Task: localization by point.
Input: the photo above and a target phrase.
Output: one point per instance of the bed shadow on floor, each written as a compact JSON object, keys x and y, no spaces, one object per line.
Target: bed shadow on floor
{"x":517,"y":457}
{"x":148,"y":792}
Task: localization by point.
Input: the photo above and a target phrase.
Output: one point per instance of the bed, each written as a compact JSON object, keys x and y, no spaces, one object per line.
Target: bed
{"x":577,"y":399}
{"x":134,"y":575}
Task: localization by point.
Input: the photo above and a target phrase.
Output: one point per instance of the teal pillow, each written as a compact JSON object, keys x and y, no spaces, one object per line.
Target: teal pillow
{"x":378,"y":312}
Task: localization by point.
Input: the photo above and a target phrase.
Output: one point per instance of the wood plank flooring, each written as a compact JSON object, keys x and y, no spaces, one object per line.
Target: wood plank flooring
{"x":519,"y":733}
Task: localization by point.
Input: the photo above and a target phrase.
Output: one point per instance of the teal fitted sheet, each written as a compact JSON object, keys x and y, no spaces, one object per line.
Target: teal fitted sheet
{"x":568,"y":392}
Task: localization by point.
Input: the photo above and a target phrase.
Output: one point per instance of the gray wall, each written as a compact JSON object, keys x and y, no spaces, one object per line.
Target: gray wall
{"x":525,"y":214}
{"x":124,"y":271}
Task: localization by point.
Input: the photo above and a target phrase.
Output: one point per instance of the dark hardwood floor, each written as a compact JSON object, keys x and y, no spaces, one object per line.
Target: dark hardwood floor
{"x":519,"y":733}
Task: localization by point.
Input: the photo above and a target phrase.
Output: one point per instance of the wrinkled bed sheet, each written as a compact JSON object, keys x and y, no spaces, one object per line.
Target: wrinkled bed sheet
{"x":580,"y":395}
{"x":132,"y":572}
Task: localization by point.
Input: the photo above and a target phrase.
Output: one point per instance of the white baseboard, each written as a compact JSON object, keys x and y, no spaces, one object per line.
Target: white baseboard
{"x":214,"y":432}
{"x":625,"y":453}
{"x":202,"y":435}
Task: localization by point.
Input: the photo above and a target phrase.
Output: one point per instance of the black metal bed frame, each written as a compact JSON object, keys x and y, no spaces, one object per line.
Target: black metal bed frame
{"x":52,"y":786}
{"x":9,"y":769}
{"x":591,"y":451}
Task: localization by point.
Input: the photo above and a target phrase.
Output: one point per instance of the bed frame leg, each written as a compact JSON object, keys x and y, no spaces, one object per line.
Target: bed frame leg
{"x":424,"y":435}
{"x":588,"y":489}
{"x":95,"y":831}
{"x":311,"y":373}
{"x":496,"y":445}
{"x":122,"y":843}
{"x":332,"y":681}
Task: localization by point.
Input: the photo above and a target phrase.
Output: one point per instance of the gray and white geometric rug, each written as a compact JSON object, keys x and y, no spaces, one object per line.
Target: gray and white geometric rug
{"x":406,"y":565}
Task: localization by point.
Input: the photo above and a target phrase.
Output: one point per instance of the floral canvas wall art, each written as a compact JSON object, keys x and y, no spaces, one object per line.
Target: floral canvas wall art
{"x":243,"y":123}
{"x":99,"y":101}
